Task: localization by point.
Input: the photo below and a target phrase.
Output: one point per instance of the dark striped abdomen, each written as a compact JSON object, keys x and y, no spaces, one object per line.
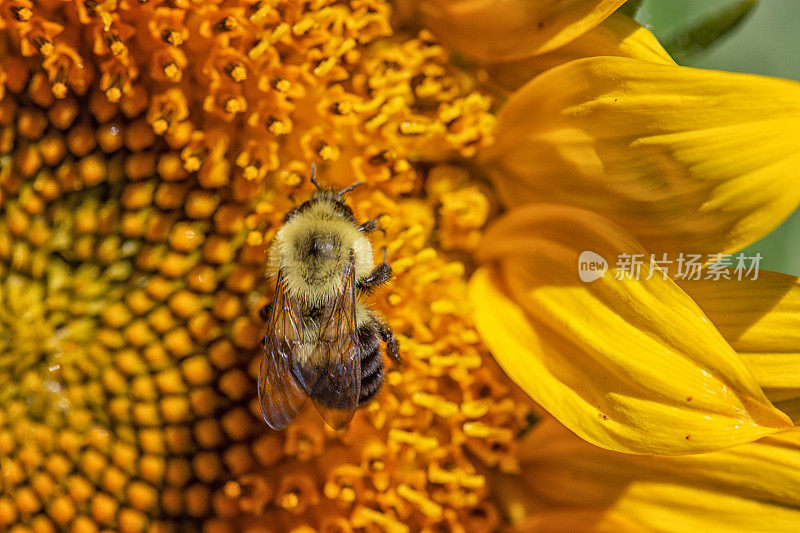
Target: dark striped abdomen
{"x":369,"y":340}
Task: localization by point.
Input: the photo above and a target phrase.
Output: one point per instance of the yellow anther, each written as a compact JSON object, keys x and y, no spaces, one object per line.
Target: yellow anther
{"x":470,"y":336}
{"x":293,"y":179}
{"x":237,"y":72}
{"x":259,"y":49}
{"x":326,"y":152}
{"x":279,"y":33}
{"x":46,"y":48}
{"x":289,"y":500}
{"x":475,"y":408}
{"x":449,"y":113}
{"x":394,"y":105}
{"x":410,"y":127}
{"x":420,"y":442}
{"x":483,"y":431}
{"x":172,"y":37}
{"x":427,"y":254}
{"x":444,"y":307}
{"x":436,"y":404}
{"x":426,"y":506}
{"x":347,"y":494}
{"x":406,"y":408}
{"x":455,"y":477}
{"x":441,"y":476}
{"x":113,"y":94}
{"x":394,"y":378}
{"x":466,"y":361}
{"x":254,"y":238}
{"x":276,"y":127}
{"x":429,"y":277}
{"x":261,"y":13}
{"x":402,"y":264}
{"x":394,"y":299}
{"x":472,"y":481}
{"x":376,"y":122}
{"x":22,"y":14}
{"x":59,"y":89}
{"x":117,"y":48}
{"x":341,"y":108}
{"x":160,"y":126}
{"x":281,"y":85}
{"x":235,"y":105}
{"x":401,"y":166}
{"x":226,"y":24}
{"x":324,"y":67}
{"x":107,"y":20}
{"x":364,"y":516}
{"x":345,"y":47}
{"x":370,"y":106}
{"x":172,"y":71}
{"x":250,"y":172}
{"x":303,"y":26}
{"x":476,"y":429}
{"x":376,"y":465}
{"x":192,"y":164}
{"x":427,"y":88}
{"x":454,"y":269}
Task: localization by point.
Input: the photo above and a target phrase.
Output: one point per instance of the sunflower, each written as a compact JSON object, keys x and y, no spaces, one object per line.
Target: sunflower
{"x":150,"y":149}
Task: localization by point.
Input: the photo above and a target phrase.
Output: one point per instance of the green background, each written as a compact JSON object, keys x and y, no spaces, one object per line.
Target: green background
{"x":768,"y":43}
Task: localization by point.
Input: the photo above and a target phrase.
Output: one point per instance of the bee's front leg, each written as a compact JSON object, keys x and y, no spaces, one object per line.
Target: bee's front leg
{"x":264,"y":312}
{"x":372,"y":224}
{"x":369,"y":226}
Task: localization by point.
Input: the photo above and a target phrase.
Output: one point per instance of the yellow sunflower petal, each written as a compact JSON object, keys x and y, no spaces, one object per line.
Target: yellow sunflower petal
{"x":577,"y":521}
{"x":760,"y":319}
{"x":633,"y":366}
{"x":752,"y":487}
{"x":685,"y":159}
{"x":789,"y":406}
{"x":504,"y":30}
{"x":618,"y":35}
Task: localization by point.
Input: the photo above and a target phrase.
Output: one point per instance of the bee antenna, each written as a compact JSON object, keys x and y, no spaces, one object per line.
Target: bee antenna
{"x":350,"y":188}
{"x":314,"y":176}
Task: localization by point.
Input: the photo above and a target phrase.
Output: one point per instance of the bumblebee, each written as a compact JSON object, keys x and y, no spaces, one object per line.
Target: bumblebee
{"x":322,"y":341}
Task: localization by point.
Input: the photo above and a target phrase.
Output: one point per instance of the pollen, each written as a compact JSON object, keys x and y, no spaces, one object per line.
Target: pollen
{"x":148,"y":154}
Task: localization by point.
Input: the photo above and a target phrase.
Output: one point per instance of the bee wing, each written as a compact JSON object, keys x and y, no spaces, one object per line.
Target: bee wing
{"x":334,"y":384}
{"x":279,"y":393}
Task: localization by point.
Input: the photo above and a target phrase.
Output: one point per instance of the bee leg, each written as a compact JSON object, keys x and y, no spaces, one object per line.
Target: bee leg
{"x":392,"y":346}
{"x":264,"y":312}
{"x":369,"y":226}
{"x":380,"y":275}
